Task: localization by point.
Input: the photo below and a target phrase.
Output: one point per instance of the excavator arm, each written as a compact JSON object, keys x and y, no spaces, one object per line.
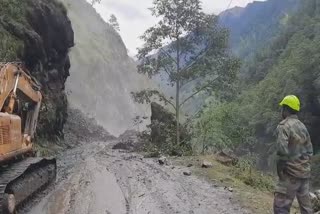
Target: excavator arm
{"x":17,"y":128}
{"x":13,"y":77}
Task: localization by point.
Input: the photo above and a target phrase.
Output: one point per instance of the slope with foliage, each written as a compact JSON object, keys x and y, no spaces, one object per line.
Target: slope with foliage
{"x":250,"y":120}
{"x":190,"y":47}
{"x":255,"y":24}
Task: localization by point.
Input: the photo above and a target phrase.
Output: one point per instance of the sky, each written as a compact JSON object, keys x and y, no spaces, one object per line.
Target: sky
{"x":134,"y":17}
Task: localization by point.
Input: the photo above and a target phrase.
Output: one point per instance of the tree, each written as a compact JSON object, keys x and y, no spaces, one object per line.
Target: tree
{"x":113,"y":21}
{"x":93,"y":2}
{"x":189,"y":47}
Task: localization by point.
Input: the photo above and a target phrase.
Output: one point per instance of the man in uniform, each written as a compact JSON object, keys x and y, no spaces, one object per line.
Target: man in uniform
{"x":294,"y":152}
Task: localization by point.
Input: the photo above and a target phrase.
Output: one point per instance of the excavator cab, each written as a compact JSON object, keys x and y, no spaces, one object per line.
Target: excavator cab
{"x":19,"y":113}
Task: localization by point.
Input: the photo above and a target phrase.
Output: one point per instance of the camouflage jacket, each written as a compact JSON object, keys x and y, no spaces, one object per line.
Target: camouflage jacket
{"x":294,"y":147}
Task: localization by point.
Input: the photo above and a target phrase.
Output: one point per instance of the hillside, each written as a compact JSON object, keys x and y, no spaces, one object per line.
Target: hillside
{"x":251,"y":27}
{"x":249,"y":121}
{"x":251,"y":30}
{"x":102,"y":74}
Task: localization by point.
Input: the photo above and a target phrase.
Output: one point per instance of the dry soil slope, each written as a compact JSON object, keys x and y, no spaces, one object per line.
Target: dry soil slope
{"x":102,"y":74}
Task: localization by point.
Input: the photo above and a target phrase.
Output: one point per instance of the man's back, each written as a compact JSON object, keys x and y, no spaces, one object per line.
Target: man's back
{"x":294,"y":145}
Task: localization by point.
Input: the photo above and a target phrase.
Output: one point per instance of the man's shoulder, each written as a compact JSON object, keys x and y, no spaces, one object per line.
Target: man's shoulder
{"x":292,"y":123}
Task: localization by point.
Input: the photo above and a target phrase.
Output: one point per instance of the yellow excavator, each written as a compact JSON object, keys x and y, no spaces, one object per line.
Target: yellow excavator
{"x":21,"y":173}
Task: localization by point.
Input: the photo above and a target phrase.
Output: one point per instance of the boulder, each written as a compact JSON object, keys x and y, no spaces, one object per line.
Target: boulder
{"x":163,"y":161}
{"x":187,"y":173}
{"x":163,"y":127}
{"x":206,"y":164}
{"x":226,"y":158}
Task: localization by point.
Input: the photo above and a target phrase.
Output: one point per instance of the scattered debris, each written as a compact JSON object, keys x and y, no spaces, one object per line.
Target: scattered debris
{"x":128,"y":141}
{"x":206,"y":164}
{"x":142,"y":195}
{"x":163,"y":160}
{"x":187,"y":173}
{"x":230,"y":189}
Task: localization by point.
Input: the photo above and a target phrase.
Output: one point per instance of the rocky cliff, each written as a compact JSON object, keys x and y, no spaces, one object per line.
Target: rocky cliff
{"x":39,"y":33}
{"x":102,"y":74}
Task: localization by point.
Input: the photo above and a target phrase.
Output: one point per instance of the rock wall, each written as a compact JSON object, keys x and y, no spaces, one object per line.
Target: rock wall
{"x":102,"y":74}
{"x":39,"y":33}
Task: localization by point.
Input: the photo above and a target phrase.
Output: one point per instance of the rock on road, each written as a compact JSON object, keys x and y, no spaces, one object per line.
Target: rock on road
{"x":94,"y":179}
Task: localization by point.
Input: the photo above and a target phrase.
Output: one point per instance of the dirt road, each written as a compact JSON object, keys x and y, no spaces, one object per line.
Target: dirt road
{"x":94,"y":179}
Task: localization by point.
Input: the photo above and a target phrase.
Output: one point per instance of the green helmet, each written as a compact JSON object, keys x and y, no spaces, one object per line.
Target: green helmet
{"x":291,"y":101}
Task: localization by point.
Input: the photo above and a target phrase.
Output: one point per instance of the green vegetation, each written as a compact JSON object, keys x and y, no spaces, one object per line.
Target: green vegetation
{"x":14,"y":9}
{"x":11,"y":48}
{"x":252,"y":117}
{"x":189,"y":46}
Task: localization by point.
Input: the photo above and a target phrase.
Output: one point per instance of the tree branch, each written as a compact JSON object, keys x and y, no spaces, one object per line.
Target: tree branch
{"x":195,"y":59}
{"x":167,"y":101}
{"x":168,"y":55}
{"x":196,"y":92}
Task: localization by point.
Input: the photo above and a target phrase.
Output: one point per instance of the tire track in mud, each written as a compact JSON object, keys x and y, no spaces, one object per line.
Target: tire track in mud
{"x":96,"y":179}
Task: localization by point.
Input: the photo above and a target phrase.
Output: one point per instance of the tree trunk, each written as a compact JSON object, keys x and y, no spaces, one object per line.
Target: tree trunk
{"x":178,"y":94}
{"x":178,"y":112}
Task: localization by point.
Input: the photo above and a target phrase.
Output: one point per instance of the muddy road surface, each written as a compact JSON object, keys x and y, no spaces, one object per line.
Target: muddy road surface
{"x":94,"y":179}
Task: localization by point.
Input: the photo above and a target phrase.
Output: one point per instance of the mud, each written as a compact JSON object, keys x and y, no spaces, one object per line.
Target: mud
{"x":95,"y":179}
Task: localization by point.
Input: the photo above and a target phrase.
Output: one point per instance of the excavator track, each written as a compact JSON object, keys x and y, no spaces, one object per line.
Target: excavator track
{"x":22,"y":180}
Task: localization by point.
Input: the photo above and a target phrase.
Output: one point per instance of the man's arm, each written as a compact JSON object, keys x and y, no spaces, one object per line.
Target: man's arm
{"x":282,"y":149}
{"x":309,"y":147}
{"x":282,"y":142}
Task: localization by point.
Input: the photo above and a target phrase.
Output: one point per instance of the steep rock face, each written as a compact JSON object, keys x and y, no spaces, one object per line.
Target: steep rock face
{"x":39,"y":33}
{"x":102,"y":74}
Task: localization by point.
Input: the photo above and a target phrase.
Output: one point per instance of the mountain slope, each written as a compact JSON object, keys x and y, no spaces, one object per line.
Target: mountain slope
{"x":251,"y":30}
{"x":102,"y":74}
{"x":250,"y":120}
{"x":251,"y":27}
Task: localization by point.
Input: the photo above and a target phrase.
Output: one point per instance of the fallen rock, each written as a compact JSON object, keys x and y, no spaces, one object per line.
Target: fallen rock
{"x":187,"y":173}
{"x":226,"y":158}
{"x":230,"y":189}
{"x":190,"y":165}
{"x":206,"y":164}
{"x":163,"y":160}
{"x":162,"y":124}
